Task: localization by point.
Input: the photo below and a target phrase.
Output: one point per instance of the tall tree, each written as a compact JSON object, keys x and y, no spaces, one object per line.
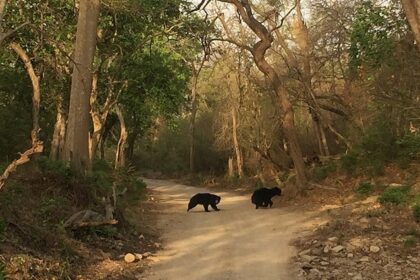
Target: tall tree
{"x":258,"y":51}
{"x":76,"y":150}
{"x":412,"y":12}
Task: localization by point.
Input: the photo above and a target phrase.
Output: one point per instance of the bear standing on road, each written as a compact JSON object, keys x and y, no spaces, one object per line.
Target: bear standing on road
{"x":262,"y":197}
{"x":204,"y":199}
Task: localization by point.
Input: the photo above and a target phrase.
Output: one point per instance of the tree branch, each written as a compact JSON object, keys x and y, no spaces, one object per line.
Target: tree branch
{"x":4,"y":36}
{"x":203,"y":4}
{"x":37,"y":145}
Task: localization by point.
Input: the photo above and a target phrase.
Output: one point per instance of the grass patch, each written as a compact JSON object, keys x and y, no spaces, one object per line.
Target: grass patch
{"x":410,"y":242}
{"x":375,"y":213}
{"x":416,"y":212}
{"x":395,"y":195}
{"x":364,"y":189}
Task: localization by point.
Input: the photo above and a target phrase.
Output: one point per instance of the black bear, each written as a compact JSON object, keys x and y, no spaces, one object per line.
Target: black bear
{"x":204,"y":199}
{"x":262,"y":197}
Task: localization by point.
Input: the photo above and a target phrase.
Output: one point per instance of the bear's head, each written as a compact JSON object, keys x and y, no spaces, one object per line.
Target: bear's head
{"x":276,"y":191}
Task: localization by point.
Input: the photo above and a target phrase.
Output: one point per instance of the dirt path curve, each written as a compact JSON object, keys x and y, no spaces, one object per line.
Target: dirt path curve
{"x":236,"y":243}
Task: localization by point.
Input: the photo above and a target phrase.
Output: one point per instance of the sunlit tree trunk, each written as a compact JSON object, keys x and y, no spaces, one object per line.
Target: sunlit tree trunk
{"x":2,"y":6}
{"x":37,"y":145}
{"x":76,"y":150}
{"x":236,"y":146}
{"x":412,"y":12}
{"x":303,"y":41}
{"x":119,"y":154}
{"x":196,"y":70}
{"x":192,"y":124}
{"x":258,"y":52}
{"x":57,"y":143}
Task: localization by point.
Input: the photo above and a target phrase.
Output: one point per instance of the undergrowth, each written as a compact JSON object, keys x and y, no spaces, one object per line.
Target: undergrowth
{"x":378,"y":147}
{"x":395,"y":195}
{"x":43,"y":194}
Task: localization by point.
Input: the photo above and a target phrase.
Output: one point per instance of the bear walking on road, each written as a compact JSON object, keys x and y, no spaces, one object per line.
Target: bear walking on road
{"x":262,"y":197}
{"x":204,"y":199}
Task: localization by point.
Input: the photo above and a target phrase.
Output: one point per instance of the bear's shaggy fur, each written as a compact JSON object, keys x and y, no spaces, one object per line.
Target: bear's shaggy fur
{"x":262,"y":197}
{"x":204,"y":199}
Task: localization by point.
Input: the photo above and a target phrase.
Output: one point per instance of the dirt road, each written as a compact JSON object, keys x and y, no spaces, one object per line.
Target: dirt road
{"x":236,"y":243}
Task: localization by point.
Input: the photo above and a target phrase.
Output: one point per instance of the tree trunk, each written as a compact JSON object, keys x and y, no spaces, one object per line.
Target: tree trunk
{"x":194,"y":108}
{"x":57,"y":143}
{"x":230,"y":167}
{"x":131,"y":141}
{"x":2,"y":6}
{"x":303,"y":41}
{"x":236,"y":146}
{"x":119,"y":154}
{"x":258,"y":51}
{"x":76,"y":150}
{"x":192,"y":126}
{"x":412,"y":12}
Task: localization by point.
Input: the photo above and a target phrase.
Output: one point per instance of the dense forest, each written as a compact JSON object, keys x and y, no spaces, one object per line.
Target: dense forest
{"x":95,"y":94}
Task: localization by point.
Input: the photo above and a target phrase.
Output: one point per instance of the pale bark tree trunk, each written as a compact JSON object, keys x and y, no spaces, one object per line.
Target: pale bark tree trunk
{"x":303,"y":41}
{"x":412,"y":12}
{"x":99,"y":113}
{"x":119,"y":154}
{"x":2,"y":7}
{"x":192,"y":125}
{"x":194,"y":107}
{"x":76,"y":150}
{"x":230,"y":167}
{"x":57,"y":143}
{"x":37,"y":145}
{"x":258,"y":52}
{"x":236,"y":146}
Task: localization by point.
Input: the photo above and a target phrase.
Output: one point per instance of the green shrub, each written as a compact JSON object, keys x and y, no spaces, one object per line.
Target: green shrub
{"x":410,"y":242}
{"x":51,"y":166}
{"x":364,"y":188}
{"x":349,"y":163}
{"x":380,"y":146}
{"x":319,"y":173}
{"x":102,"y":175}
{"x":2,"y":226}
{"x":416,"y":212}
{"x":395,"y":195}
{"x":408,"y":148}
{"x":2,"y":271}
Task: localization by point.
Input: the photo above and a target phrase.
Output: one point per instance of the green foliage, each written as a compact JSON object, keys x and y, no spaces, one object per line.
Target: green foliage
{"x":2,"y":226}
{"x":408,"y":148}
{"x":380,"y":146}
{"x":395,"y":195}
{"x":364,"y":188}
{"x":319,"y":173}
{"x":102,"y":175}
{"x":410,"y":242}
{"x":349,"y":162}
{"x":372,"y":34}
{"x":2,"y":271}
{"x":53,"y":167}
{"x":416,"y":211}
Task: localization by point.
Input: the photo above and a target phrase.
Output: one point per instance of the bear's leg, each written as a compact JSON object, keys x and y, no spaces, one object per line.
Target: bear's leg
{"x":213,"y":205}
{"x":206,"y":207}
{"x":270,"y":202}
